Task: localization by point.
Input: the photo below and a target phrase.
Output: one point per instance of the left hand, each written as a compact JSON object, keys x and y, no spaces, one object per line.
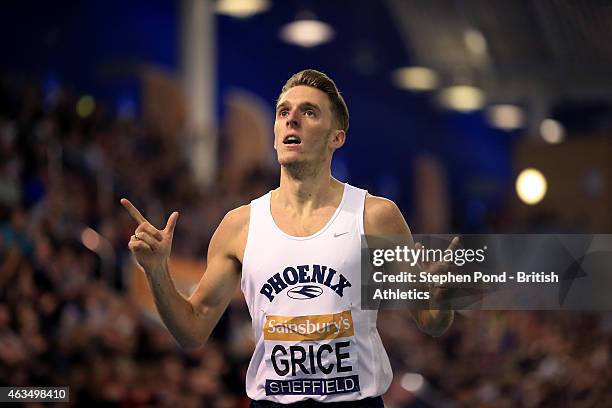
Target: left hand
{"x":439,"y":267}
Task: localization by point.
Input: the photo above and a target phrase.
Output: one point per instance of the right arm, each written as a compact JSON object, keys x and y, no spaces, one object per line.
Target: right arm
{"x":191,"y":320}
{"x":223,"y":271}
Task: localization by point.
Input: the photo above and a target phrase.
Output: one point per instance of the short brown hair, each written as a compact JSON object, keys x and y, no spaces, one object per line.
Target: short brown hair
{"x":320,"y":81}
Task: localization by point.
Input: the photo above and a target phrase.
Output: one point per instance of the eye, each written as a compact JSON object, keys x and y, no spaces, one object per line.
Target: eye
{"x":283,"y":113}
{"x":310,"y":113}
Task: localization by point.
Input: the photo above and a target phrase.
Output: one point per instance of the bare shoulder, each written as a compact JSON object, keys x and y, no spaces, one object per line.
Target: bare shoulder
{"x":238,"y":218}
{"x":231,"y":234}
{"x":382,"y":216}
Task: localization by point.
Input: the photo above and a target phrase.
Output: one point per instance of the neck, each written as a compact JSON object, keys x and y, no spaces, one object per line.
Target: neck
{"x":307,"y":188}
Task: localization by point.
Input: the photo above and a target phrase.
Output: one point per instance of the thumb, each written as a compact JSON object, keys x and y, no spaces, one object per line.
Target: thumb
{"x":171,"y":224}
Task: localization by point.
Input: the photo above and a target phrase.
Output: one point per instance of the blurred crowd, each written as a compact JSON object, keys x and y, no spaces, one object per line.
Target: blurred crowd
{"x":65,"y":314}
{"x":504,"y":359}
{"x":66,"y":317}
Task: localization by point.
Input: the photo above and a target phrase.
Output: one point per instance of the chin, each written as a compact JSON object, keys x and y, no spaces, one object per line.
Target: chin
{"x":289,"y":161}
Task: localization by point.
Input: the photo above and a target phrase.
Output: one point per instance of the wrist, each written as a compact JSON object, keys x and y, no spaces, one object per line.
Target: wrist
{"x":157,"y":270}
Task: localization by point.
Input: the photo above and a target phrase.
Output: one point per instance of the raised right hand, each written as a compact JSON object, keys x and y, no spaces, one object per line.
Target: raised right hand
{"x":151,"y":247}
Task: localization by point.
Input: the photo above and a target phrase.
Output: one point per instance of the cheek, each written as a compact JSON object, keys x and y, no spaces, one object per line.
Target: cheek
{"x":276,"y":133}
{"x":278,"y":127}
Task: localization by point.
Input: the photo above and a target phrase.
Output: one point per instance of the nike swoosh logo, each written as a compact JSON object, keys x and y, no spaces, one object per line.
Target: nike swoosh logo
{"x":336,"y":235}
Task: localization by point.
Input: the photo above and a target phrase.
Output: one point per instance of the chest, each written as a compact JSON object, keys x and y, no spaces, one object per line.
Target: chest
{"x":302,"y":225}
{"x":286,"y":274}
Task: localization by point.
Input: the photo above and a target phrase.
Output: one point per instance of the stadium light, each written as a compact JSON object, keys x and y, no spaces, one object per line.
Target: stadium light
{"x":507,"y":117}
{"x":531,"y":186}
{"x":416,"y":78}
{"x":552,"y":131}
{"x":475,"y":41}
{"x":462,"y":98}
{"x":308,"y":32}
{"x":241,"y":8}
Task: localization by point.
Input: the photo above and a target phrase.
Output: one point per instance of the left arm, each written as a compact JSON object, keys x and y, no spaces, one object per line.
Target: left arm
{"x":382,"y":217}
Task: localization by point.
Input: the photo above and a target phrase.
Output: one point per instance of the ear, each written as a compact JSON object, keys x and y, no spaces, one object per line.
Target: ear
{"x":337,"y":139}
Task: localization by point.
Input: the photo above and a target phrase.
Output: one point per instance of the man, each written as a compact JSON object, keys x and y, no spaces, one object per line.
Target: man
{"x":296,"y":253}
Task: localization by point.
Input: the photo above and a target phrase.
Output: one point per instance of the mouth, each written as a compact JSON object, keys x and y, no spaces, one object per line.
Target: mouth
{"x":292,"y":140}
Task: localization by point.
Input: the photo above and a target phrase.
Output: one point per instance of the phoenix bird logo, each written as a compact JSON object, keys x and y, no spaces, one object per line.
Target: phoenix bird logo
{"x":304,"y":292}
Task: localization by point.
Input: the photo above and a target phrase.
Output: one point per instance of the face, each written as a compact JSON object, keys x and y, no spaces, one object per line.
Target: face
{"x":303,"y":128}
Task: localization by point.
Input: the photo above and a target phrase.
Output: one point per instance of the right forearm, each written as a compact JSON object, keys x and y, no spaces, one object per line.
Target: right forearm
{"x":151,"y":248}
{"x":177,"y":313}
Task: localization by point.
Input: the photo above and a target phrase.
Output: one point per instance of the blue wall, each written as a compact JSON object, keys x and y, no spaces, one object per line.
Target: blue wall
{"x":97,"y":45}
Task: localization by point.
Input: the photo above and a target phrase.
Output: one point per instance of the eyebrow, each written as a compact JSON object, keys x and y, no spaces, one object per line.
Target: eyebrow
{"x":303,"y":105}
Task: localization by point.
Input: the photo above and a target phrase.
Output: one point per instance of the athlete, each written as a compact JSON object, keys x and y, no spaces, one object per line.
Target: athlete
{"x":296,"y":254}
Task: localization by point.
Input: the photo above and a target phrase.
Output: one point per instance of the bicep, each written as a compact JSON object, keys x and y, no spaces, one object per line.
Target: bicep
{"x":387,"y":228}
{"x":219,"y":281}
{"x":217,"y":286}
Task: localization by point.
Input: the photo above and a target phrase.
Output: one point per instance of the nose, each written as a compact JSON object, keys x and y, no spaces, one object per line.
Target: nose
{"x":293,"y":119}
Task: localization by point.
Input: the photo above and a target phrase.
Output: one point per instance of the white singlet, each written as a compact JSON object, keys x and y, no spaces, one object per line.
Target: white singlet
{"x":313,"y":341}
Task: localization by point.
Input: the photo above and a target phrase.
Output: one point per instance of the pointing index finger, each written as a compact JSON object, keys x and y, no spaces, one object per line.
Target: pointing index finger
{"x":136,"y":215}
{"x":454,"y":243}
